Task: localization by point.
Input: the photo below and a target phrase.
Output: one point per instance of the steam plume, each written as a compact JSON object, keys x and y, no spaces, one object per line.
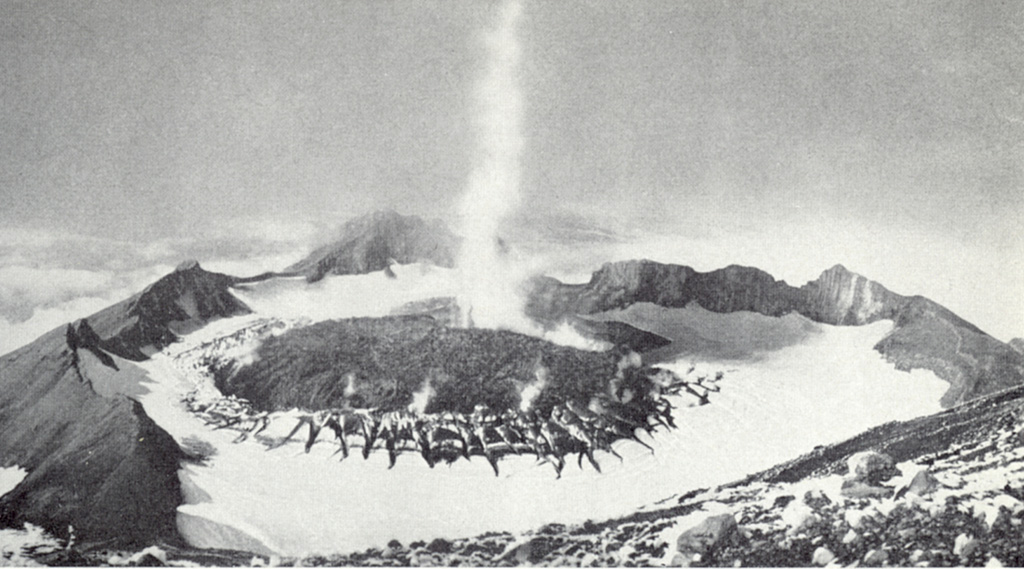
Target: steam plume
{"x":490,"y":296}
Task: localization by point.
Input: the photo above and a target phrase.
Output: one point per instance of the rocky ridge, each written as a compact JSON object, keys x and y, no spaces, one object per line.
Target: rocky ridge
{"x":926,"y":335}
{"x":97,"y":466}
{"x":1017,"y":344}
{"x":96,"y":461}
{"x":177,"y":303}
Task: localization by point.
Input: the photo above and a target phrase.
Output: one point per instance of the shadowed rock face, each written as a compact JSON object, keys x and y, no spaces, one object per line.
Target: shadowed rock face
{"x":370,"y":243}
{"x":177,"y":303}
{"x":98,"y":464}
{"x":837,"y":297}
{"x":926,"y":335}
{"x":95,"y":462}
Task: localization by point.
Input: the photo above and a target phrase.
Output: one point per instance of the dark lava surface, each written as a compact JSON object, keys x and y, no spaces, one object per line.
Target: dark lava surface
{"x":383,"y":362}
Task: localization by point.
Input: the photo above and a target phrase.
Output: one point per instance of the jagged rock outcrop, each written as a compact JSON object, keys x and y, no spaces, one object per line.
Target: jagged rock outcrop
{"x":97,"y":464}
{"x":181,"y":301}
{"x":837,"y":297}
{"x":926,"y":335}
{"x":842,"y":297}
{"x":372,"y":242}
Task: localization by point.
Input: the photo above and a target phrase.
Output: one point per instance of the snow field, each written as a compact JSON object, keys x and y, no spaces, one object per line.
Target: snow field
{"x":286,"y":502}
{"x":10,"y":477}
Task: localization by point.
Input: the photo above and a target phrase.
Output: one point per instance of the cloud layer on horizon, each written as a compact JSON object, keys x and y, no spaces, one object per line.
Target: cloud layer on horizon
{"x":48,"y":279}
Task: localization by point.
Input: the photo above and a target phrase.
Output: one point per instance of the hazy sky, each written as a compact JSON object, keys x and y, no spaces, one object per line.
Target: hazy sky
{"x":888,"y":136}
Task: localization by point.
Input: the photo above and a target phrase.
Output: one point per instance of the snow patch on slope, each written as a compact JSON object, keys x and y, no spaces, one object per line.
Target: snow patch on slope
{"x":349,"y":296}
{"x":10,"y":477}
{"x":17,"y":544}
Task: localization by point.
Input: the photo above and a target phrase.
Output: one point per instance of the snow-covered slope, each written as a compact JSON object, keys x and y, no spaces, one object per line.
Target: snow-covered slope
{"x":371,"y":294}
{"x":827,"y":387}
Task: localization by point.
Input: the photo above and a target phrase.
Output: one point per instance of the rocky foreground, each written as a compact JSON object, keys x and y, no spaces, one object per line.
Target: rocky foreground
{"x":939,"y":491}
{"x":958,"y":506}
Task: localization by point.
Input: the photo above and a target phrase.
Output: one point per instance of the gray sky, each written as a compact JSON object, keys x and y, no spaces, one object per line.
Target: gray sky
{"x":888,"y":136}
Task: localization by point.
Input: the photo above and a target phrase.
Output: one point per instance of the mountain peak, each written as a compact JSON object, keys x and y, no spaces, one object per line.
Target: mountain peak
{"x":187,"y":265}
{"x":176,"y":303}
{"x":374,"y":241}
{"x":837,"y":269}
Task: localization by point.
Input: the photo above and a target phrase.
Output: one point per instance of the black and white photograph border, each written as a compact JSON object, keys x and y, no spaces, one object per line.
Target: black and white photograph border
{"x":512,"y":282}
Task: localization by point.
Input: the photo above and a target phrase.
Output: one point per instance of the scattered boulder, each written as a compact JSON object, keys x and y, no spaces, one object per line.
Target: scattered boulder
{"x":964,"y":546}
{"x":783,"y":501}
{"x":440,"y":545}
{"x":151,"y":556}
{"x":822,"y":556}
{"x":922,"y":484}
{"x":798,"y":517}
{"x":850,"y":537}
{"x":876,"y":558}
{"x":709,"y":536}
{"x":855,"y":518}
{"x":816,"y":499}
{"x":858,"y":489}
{"x":868,"y":470}
{"x":871,"y":467}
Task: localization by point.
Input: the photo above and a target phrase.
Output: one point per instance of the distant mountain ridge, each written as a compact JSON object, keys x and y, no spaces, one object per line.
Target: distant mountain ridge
{"x":372,"y":242}
{"x":179,"y":302}
{"x":926,"y":335}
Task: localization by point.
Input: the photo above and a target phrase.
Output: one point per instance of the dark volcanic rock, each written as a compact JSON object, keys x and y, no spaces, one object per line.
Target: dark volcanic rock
{"x":372,"y":242}
{"x":98,"y":464}
{"x":872,"y":467}
{"x":841,"y":297}
{"x":708,"y":536}
{"x":177,"y":303}
{"x":926,"y":335}
{"x":383,"y":362}
{"x":617,"y":285}
{"x":619,"y":334}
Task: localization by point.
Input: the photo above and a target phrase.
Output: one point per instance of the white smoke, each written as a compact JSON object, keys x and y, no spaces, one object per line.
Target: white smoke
{"x":490,"y":296}
{"x":422,"y":398}
{"x":566,"y":335}
{"x":530,"y":392}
